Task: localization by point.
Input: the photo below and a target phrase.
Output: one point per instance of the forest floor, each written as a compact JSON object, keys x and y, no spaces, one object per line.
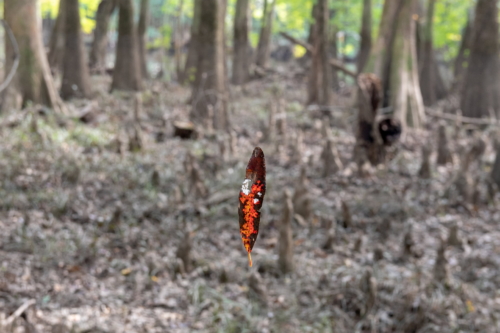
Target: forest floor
{"x":93,"y":235}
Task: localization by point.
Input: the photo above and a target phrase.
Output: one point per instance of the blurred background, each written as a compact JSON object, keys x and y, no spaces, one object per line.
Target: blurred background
{"x":126,"y":127}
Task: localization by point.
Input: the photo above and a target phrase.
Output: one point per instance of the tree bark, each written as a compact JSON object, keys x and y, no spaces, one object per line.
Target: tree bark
{"x":380,"y":55}
{"x":56,"y":43}
{"x":366,"y":35}
{"x":127,"y":73}
{"x":192,"y":56}
{"x":426,"y":57}
{"x":263,"y":48}
{"x":481,"y":89}
{"x":333,"y":50}
{"x":431,"y":83}
{"x":209,"y":89}
{"x":141,"y":35}
{"x":98,"y":51}
{"x":285,"y":246}
{"x":76,"y":79}
{"x":460,"y":64}
{"x":177,"y":37}
{"x":312,"y":30}
{"x":439,"y":85}
{"x":33,"y":80}
{"x":404,"y":89}
{"x":241,"y":44}
{"x":369,"y":145}
{"x":495,"y":171}
{"x":320,"y":76}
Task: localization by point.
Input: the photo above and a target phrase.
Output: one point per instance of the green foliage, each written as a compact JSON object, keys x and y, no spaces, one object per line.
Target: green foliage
{"x":50,"y":8}
{"x":88,"y":9}
{"x":293,"y":16}
{"x":450,"y":19}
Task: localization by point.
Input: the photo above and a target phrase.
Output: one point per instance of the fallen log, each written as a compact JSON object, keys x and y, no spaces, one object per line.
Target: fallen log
{"x":462,"y":119}
{"x":334,"y":62}
{"x":18,"y":313}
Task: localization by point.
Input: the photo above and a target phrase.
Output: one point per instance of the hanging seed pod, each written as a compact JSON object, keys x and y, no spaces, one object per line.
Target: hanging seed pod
{"x":251,"y":198}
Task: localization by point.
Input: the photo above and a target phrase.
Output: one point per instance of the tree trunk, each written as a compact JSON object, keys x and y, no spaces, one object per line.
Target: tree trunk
{"x":495,"y":171}
{"x":368,"y":144}
{"x":141,"y":35}
{"x":98,"y":51}
{"x":209,"y":89}
{"x":426,"y":57}
{"x":177,"y":37}
{"x":312,"y":30}
{"x":241,"y":44}
{"x":462,"y":58}
{"x":431,"y":83}
{"x":320,"y":76}
{"x":76,"y":79}
{"x":480,"y":93}
{"x":439,"y":85}
{"x":263,"y":48}
{"x":366,"y":35}
{"x":56,"y":43}
{"x":33,"y":80}
{"x":127,"y":73}
{"x":192,"y":56}
{"x":333,"y":49}
{"x":404,"y":89}
{"x":380,"y":55}
{"x":285,"y":245}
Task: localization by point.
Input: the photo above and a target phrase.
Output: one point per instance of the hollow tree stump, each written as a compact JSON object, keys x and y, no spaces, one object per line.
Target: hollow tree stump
{"x":374,"y":133}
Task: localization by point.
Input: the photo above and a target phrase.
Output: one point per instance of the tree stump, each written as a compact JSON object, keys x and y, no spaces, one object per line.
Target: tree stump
{"x":257,"y":288}
{"x":441,"y":268}
{"x":444,"y":155}
{"x":184,"y":129}
{"x":197,"y":185}
{"x":184,"y":251}
{"x":374,"y":134}
{"x":135,"y":142}
{"x":369,"y":286}
{"x":298,"y":148}
{"x":495,"y":172}
{"x":346,"y":216}
{"x":301,"y":199}
{"x":425,"y":168}
{"x":462,"y":183}
{"x":378,"y":254}
{"x":453,"y":237}
{"x":408,"y":243}
{"x":331,"y":160}
{"x":285,"y":247}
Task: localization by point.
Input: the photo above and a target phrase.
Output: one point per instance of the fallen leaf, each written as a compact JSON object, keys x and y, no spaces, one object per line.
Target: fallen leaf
{"x":251,"y":198}
{"x":470,"y":306}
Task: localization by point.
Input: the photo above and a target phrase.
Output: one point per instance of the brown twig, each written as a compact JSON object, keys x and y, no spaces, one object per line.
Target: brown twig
{"x":18,"y":312}
{"x":341,"y":67}
{"x":294,"y":40}
{"x":462,"y":119}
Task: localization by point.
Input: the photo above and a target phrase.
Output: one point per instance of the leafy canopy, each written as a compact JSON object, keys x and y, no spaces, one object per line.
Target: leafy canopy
{"x":293,"y":16}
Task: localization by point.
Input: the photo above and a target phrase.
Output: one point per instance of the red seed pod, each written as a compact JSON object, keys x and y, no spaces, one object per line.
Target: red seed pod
{"x":251,"y":198}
